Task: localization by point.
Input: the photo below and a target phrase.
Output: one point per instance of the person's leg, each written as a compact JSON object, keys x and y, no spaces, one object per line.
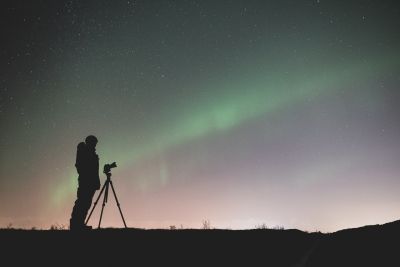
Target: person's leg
{"x":88,"y":202}
{"x":76,"y":220}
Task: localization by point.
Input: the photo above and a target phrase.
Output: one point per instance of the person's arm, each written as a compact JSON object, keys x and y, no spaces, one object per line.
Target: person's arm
{"x":80,"y":158}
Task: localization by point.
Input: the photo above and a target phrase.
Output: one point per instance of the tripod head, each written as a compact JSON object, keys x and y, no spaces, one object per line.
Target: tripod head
{"x":107,"y":169}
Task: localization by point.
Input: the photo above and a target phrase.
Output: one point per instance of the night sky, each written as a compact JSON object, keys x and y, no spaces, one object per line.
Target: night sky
{"x":239,"y":112}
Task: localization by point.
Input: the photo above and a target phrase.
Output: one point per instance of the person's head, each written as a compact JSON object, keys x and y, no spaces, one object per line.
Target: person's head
{"x":91,"y":141}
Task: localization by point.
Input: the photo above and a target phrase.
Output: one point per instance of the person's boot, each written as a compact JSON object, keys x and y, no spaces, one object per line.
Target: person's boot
{"x":87,"y":227}
{"x":72,"y":225}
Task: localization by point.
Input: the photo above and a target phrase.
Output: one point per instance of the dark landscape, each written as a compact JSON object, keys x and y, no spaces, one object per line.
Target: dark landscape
{"x":375,"y":245}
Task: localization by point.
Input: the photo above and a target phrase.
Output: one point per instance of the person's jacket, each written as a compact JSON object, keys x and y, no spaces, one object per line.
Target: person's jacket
{"x":87,"y":165}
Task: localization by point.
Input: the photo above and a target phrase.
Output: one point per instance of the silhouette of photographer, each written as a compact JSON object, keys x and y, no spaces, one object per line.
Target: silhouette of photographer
{"x":87,"y":165}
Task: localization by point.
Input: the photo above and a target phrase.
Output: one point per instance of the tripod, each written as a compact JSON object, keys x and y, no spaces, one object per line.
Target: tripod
{"x":104,"y":189}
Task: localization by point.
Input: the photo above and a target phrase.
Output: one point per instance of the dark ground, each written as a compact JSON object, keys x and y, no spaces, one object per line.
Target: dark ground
{"x":376,"y":245}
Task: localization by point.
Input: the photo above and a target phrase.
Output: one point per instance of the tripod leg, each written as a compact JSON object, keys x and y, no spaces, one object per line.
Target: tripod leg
{"x":104,"y":202}
{"x":116,"y":199}
{"x":95,"y":203}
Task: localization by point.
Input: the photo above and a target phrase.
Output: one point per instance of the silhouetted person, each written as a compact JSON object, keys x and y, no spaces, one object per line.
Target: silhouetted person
{"x":87,"y":165}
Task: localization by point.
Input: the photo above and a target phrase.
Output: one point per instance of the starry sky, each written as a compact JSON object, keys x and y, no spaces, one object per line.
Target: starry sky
{"x":238,"y":112}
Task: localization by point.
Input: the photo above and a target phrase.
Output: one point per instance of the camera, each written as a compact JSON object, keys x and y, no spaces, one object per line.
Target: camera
{"x":107,"y":167}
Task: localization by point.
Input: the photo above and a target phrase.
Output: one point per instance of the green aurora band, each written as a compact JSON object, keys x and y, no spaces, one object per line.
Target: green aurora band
{"x":247,"y":99}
